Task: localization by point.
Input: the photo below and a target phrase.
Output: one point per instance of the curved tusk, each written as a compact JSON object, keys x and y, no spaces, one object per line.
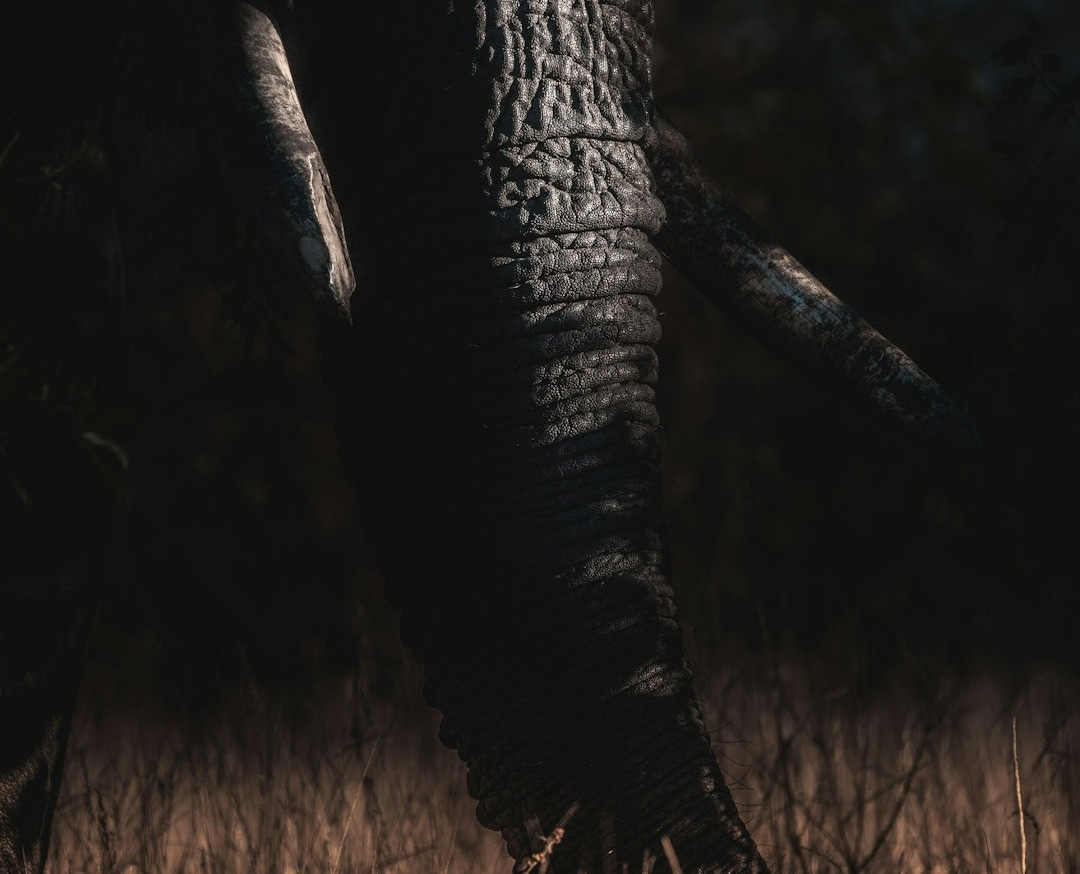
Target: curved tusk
{"x":723,"y":253}
{"x":276,"y":166}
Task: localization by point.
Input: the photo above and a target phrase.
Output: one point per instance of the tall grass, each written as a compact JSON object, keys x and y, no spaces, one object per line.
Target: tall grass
{"x":364,"y":787}
{"x":921,"y":778}
{"x":918,"y":778}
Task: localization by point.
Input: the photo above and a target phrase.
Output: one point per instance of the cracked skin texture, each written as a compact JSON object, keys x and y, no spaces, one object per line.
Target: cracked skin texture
{"x":497,"y":396}
{"x":496,"y":404}
{"x":505,"y":335}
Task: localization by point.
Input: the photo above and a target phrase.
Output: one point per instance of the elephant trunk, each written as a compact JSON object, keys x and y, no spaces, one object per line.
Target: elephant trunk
{"x":514,"y":487}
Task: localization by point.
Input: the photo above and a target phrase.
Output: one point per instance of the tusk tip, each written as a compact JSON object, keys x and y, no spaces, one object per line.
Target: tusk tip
{"x":955,"y":435}
{"x":941,"y":425}
{"x":333,"y":296}
{"x":961,"y":436}
{"x":340,"y":308}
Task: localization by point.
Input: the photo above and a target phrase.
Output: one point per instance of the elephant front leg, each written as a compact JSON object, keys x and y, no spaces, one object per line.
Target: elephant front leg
{"x":64,"y":362}
{"x":47,"y":607}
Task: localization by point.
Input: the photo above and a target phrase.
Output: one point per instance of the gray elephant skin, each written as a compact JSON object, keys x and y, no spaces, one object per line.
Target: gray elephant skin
{"x":508,"y":187}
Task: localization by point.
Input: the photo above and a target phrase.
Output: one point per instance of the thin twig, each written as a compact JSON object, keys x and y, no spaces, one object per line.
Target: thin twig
{"x":402,"y":857}
{"x":1019,"y":802}
{"x":905,"y":790}
{"x":608,"y":861}
{"x":453,"y":842}
{"x":669,"y":851}
{"x":540,"y":858}
{"x":352,"y":808}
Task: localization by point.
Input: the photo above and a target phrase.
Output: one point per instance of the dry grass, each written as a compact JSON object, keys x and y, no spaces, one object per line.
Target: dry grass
{"x":919,"y":779}
{"x":916,"y":780}
{"x":369,"y":788}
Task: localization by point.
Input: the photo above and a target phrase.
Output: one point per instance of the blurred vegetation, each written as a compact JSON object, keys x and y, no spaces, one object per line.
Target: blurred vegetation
{"x":920,"y":157}
{"x":911,"y":779}
{"x":870,"y":139}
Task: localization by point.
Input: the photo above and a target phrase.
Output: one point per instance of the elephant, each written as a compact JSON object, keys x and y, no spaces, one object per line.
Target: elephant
{"x":509,"y":192}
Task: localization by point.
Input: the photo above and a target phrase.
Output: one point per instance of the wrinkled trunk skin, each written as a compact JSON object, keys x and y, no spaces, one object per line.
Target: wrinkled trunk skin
{"x":496,"y":405}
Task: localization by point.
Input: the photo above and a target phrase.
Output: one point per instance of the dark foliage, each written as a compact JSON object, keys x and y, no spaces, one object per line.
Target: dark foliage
{"x":868,"y":139}
{"x":928,"y":178}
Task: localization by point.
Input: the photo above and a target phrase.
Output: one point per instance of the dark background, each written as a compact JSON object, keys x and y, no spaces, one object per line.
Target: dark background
{"x":931,"y":183}
{"x":921,"y":158}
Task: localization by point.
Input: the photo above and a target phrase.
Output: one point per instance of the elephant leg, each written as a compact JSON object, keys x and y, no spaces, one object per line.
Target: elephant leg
{"x":64,"y":364}
{"x":47,"y":607}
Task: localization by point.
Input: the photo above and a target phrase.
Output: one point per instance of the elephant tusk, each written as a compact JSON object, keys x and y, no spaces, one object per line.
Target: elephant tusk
{"x":722,"y":252}
{"x":276,"y":166}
